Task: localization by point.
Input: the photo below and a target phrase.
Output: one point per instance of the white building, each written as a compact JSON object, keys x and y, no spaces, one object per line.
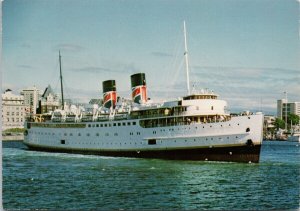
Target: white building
{"x":31,"y":99}
{"x":284,"y":107}
{"x":13,"y":110}
{"x":49,"y":101}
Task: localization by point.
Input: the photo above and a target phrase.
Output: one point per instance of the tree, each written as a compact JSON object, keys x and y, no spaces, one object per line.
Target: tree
{"x":294,"y":119}
{"x":279,"y":123}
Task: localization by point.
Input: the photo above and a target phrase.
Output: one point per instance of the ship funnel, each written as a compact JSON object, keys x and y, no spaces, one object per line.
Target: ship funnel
{"x":109,"y":93}
{"x":139,"y":88}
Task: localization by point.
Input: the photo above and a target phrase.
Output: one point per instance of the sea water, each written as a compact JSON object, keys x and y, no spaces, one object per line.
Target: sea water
{"x":41,"y":180}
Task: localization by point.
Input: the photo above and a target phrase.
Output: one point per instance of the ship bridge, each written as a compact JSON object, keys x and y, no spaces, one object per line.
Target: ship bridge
{"x":204,"y":103}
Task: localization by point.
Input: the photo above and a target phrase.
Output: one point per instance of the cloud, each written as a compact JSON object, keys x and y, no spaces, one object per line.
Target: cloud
{"x":25,"y":45}
{"x":92,"y":70}
{"x":109,"y":67}
{"x":97,"y":70}
{"x":68,"y":47}
{"x":25,"y":66}
{"x":242,"y":88}
{"x":161,"y":54}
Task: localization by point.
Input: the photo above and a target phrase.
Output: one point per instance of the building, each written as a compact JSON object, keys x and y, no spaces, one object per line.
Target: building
{"x":31,"y":99}
{"x":13,"y":110}
{"x":269,"y":127}
{"x":284,"y":107}
{"x":49,"y":101}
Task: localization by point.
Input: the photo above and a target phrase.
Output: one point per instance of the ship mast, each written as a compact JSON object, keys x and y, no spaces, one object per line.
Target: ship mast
{"x":186,"y":60}
{"x":61,"y":83}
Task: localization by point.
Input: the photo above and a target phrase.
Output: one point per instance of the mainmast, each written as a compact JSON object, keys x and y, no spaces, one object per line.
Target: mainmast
{"x":186,"y":60}
{"x":61,"y":83}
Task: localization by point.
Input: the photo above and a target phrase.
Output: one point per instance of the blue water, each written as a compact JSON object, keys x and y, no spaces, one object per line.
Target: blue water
{"x":40,"y":180}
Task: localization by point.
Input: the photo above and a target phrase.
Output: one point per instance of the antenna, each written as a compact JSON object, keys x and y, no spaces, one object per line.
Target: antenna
{"x":61,"y":83}
{"x":186,"y":60}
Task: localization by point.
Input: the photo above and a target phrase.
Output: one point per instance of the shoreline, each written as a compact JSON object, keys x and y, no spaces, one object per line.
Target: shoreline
{"x":13,"y":138}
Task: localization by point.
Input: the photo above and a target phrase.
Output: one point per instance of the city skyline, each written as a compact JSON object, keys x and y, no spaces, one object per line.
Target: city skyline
{"x":246,"y":51}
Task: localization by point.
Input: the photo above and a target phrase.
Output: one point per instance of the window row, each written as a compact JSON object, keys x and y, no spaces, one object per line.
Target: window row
{"x":112,"y":124}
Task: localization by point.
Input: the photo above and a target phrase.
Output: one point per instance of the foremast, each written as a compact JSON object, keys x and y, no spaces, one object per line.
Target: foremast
{"x":186,"y":59}
{"x":61,"y":83}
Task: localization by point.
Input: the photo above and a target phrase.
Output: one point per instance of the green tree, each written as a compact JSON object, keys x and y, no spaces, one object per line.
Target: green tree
{"x":294,"y":118}
{"x":279,"y":123}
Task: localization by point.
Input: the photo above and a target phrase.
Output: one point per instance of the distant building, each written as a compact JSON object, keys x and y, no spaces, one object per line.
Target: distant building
{"x":49,"y":101}
{"x":13,"y":110}
{"x":285,"y":108}
{"x":269,"y":127}
{"x":31,"y":99}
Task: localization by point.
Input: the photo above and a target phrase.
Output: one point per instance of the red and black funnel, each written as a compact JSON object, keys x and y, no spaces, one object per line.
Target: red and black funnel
{"x":109,"y":93}
{"x":139,"y":88}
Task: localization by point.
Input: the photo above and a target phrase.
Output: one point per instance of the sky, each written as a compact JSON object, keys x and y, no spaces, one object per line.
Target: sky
{"x":246,"y":51}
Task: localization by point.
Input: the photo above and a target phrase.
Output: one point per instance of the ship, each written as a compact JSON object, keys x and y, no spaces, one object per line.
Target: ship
{"x":295,"y":134}
{"x":196,"y":126}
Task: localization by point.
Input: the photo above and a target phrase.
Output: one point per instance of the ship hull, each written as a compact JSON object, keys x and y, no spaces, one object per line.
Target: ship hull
{"x":229,"y":154}
{"x":238,"y":140}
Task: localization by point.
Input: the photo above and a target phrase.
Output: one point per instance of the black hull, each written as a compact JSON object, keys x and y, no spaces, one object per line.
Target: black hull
{"x":243,"y":154}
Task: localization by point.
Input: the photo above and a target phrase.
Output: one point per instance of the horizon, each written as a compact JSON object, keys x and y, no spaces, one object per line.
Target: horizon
{"x":246,"y":51}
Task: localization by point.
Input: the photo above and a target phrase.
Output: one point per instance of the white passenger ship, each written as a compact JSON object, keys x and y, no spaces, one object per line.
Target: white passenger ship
{"x":194,"y":127}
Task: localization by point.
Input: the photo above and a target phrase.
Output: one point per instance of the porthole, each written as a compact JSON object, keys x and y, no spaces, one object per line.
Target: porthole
{"x":248,"y":130}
